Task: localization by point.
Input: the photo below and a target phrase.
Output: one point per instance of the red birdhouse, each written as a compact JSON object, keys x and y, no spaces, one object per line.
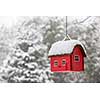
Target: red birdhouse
{"x":67,"y":56}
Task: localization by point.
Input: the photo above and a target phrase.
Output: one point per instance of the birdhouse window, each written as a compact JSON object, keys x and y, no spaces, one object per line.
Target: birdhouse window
{"x":76,"y":58}
{"x":64,"y":62}
{"x":55,"y":63}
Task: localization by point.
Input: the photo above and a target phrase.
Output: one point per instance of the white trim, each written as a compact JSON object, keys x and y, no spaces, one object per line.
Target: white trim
{"x":65,"y":62}
{"x":78,"y":58}
{"x":56,"y":61}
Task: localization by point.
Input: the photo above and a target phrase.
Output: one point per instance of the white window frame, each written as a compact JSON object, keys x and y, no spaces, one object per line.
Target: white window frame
{"x":65,"y":62}
{"x":55,"y":61}
{"x":75,"y":58}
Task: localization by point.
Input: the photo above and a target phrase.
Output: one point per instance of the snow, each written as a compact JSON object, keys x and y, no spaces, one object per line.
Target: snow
{"x":64,"y":47}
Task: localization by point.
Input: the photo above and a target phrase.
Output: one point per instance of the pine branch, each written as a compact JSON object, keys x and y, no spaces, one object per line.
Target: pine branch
{"x":84,"y":20}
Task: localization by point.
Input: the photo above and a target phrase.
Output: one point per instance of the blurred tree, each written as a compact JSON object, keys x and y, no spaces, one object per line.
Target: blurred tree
{"x":27,"y":61}
{"x":54,"y":30}
{"x":26,"y":65}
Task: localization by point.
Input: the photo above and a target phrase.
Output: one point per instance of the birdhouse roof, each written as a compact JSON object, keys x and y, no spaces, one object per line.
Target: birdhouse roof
{"x":65,"y":47}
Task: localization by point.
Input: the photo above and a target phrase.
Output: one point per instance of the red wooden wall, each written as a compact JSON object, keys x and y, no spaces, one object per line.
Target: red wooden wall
{"x":77,"y":65}
{"x":60,"y":67}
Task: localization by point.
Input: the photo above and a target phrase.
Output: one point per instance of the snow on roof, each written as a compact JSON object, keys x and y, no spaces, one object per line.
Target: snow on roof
{"x":64,"y":47}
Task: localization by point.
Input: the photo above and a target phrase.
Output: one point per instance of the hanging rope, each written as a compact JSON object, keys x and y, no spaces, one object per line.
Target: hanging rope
{"x":66,"y":26}
{"x":67,"y":36}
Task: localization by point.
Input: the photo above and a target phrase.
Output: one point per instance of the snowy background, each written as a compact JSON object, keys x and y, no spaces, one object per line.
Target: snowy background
{"x":25,"y":43}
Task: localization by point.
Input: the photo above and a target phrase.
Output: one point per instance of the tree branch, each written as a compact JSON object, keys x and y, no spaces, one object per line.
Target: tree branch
{"x":84,"y":20}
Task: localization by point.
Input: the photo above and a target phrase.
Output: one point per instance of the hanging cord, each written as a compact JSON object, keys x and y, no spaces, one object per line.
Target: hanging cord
{"x":66,"y":26}
{"x":67,"y":36}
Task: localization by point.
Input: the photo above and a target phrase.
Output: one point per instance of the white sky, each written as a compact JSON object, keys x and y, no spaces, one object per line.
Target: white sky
{"x":8,"y":21}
